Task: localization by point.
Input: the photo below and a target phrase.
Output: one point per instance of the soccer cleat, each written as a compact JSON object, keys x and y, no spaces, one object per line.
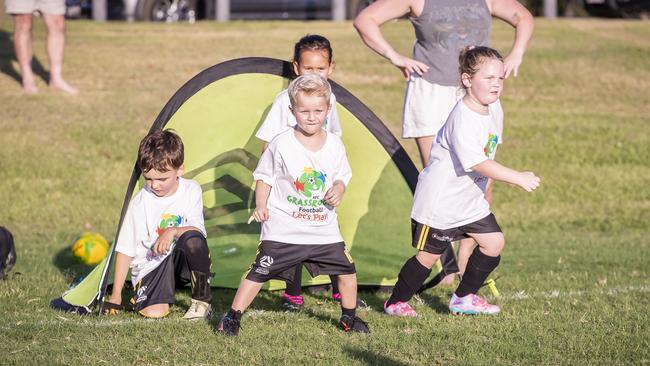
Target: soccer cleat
{"x":336,"y":296}
{"x":400,"y":309}
{"x":471,"y":304}
{"x":353,"y":324}
{"x":292,"y":303}
{"x":229,"y":326}
{"x":198,"y":310}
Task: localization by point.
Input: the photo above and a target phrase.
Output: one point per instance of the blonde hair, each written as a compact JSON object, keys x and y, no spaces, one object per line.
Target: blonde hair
{"x":309,"y":84}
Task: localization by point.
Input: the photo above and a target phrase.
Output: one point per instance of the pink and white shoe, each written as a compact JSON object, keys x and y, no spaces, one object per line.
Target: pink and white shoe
{"x":400,"y":309}
{"x":471,"y":304}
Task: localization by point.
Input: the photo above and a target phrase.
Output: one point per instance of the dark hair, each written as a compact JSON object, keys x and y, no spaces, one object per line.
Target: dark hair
{"x":472,"y":56}
{"x":312,"y":42}
{"x":160,"y":150}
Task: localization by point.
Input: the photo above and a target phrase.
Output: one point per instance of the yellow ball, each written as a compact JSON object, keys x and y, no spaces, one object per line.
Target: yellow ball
{"x":90,"y":248}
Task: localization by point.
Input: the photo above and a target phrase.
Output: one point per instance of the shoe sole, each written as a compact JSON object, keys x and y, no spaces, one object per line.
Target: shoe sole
{"x":470,"y":312}
{"x":401,"y":315}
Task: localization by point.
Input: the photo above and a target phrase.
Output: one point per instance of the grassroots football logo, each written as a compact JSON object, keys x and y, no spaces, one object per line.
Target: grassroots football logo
{"x":491,"y":144}
{"x":311,"y":181}
{"x":168,"y":221}
{"x":266,"y":261}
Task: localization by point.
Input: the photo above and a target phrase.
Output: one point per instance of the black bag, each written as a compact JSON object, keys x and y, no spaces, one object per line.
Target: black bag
{"x":7,"y":252}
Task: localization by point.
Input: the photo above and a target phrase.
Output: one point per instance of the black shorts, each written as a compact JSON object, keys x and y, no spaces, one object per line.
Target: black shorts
{"x":435,"y":241}
{"x":277,"y":260}
{"x":159,"y":285}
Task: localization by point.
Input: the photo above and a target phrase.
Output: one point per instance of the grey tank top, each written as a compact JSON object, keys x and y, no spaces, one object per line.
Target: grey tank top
{"x":443,"y":30}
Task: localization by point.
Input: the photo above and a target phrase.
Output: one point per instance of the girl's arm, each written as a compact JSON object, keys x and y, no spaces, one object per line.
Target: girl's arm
{"x":515,"y":14}
{"x":491,"y":169}
{"x":371,"y":18}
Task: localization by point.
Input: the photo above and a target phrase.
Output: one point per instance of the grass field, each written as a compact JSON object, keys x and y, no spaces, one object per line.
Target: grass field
{"x":574,"y":277}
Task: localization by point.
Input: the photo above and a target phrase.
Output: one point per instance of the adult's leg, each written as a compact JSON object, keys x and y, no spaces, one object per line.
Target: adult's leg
{"x":55,"y":44}
{"x":424,"y":146}
{"x":23,"y":47}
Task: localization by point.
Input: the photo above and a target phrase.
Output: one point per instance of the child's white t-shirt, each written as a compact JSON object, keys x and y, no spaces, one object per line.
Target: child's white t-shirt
{"x":148,"y":214}
{"x":299,"y":179}
{"x":280,"y":118}
{"x":449,"y":194}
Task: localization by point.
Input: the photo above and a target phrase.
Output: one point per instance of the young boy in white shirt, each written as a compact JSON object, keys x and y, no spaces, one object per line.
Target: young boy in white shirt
{"x":163,"y":237}
{"x":301,"y":178}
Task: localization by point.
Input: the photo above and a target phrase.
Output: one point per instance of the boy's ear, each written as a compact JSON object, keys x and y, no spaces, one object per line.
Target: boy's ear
{"x":466,"y":79}
{"x":295,"y":67}
{"x":181,"y":170}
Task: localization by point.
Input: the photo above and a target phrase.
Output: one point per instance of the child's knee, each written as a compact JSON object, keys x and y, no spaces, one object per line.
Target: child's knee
{"x":427,"y":259}
{"x":155,"y":311}
{"x":492,"y":244}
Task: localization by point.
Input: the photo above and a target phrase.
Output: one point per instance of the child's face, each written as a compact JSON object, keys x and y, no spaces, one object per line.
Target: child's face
{"x":311,"y":112}
{"x":316,"y":61}
{"x":163,"y":184}
{"x":486,"y":85}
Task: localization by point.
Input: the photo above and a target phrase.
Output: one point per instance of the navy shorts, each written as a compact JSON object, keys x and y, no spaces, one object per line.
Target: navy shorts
{"x":435,"y":241}
{"x":276,"y":260}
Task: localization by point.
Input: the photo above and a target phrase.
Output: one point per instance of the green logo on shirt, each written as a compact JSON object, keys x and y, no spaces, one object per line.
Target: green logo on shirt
{"x":311,"y":181}
{"x":492,"y":142}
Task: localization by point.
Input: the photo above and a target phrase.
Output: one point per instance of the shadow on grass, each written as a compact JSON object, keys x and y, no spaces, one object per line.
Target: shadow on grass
{"x":69,"y":267}
{"x":371,"y":358}
{"x":8,"y":55}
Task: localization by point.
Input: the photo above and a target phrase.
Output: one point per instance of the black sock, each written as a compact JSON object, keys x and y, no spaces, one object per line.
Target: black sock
{"x":234,"y":314}
{"x":294,"y":287}
{"x":348,"y":312}
{"x":411,"y":277}
{"x":335,"y":284}
{"x":479,"y":267}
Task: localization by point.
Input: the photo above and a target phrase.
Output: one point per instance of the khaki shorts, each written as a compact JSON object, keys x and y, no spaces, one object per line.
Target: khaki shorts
{"x":56,"y":7}
{"x":427,"y":106}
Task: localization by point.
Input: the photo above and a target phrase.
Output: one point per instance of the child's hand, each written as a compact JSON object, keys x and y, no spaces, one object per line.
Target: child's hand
{"x":528,"y":181}
{"x":164,"y":242}
{"x":261,"y":214}
{"x":334,"y":195}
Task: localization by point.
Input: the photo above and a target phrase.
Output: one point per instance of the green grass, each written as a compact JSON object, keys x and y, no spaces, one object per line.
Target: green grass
{"x":573,"y":278}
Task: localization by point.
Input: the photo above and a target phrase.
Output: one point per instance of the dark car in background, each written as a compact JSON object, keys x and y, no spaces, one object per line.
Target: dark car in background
{"x":191,"y":10}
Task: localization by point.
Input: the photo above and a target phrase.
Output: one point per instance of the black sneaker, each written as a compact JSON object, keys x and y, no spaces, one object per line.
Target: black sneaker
{"x":229,"y":326}
{"x":354,"y":324}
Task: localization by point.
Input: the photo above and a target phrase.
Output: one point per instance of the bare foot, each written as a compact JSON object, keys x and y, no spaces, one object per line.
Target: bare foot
{"x":29,"y":85}
{"x":63,"y":86}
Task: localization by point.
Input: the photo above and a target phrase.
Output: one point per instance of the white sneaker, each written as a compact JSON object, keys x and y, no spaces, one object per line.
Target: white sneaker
{"x":198,"y":310}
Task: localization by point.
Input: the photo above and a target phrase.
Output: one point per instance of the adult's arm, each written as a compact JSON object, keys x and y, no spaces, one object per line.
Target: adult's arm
{"x":515,"y":14}
{"x":371,"y":18}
